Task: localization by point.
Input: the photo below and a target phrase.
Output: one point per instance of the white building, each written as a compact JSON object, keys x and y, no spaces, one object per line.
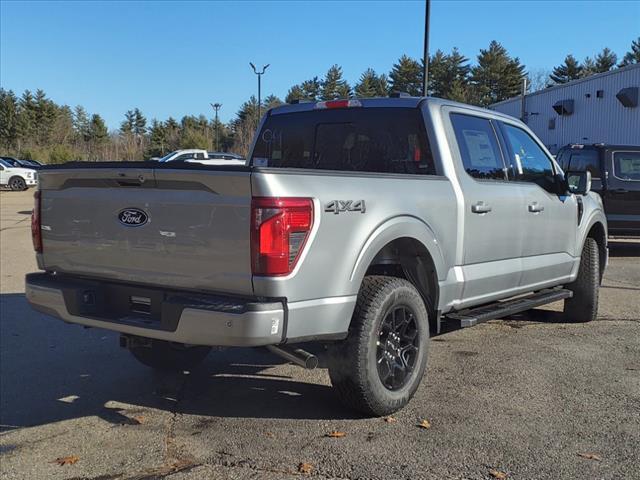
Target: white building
{"x":602,"y":108}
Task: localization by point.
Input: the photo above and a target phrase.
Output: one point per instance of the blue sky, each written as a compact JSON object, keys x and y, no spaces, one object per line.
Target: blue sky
{"x":173,"y":58}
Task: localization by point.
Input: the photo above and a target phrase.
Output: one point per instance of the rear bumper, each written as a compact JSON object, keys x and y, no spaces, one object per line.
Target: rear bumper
{"x":177,"y":317}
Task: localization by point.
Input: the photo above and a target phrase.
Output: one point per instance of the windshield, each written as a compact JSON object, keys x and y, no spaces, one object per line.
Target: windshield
{"x":10,"y":162}
{"x":167,"y":157}
{"x":389,"y":140}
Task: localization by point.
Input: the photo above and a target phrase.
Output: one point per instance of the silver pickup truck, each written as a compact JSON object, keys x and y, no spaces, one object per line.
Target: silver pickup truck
{"x":364,"y":225}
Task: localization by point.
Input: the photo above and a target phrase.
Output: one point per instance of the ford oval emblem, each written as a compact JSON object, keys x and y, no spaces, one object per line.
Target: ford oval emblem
{"x":133,"y":217}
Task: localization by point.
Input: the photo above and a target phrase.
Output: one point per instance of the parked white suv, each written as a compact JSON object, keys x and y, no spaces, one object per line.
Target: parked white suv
{"x":16,"y":178}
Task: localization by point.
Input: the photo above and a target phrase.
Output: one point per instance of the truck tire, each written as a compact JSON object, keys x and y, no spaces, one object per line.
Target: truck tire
{"x":583,"y":306}
{"x":17,"y":184}
{"x":169,"y":356}
{"x":379,"y":366}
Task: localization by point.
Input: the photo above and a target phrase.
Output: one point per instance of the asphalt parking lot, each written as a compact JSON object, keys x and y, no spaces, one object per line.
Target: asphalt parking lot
{"x":529,"y":396}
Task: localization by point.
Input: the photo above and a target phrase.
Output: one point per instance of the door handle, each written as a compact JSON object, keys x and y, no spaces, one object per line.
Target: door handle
{"x":535,"y":208}
{"x":480,"y":207}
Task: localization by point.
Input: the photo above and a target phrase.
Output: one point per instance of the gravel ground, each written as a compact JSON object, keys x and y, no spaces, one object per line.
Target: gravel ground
{"x":525,"y":396}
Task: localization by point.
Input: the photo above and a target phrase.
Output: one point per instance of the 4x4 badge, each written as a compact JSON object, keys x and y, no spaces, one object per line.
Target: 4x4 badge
{"x":340,"y":206}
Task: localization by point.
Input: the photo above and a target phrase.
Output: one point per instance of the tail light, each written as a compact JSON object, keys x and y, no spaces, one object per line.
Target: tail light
{"x":280,"y":228}
{"x":36,"y":232}
{"x":338,"y":104}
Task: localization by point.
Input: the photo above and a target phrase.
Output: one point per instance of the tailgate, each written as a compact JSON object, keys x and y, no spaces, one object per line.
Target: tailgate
{"x":179,"y":228}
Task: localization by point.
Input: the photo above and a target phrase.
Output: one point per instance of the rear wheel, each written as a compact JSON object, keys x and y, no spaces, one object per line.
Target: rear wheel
{"x":583,"y":306}
{"x":169,"y":356}
{"x":17,"y":184}
{"x":378,"y":368}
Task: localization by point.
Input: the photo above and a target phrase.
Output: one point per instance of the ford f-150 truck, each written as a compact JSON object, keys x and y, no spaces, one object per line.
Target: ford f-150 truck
{"x":366,"y":225}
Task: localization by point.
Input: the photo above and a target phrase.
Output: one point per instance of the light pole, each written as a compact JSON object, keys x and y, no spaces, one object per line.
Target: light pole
{"x":259,"y":74}
{"x":216,"y":107}
{"x":425,"y":71}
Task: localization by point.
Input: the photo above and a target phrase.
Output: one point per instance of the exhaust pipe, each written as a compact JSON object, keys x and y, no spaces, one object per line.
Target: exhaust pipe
{"x":298,"y":356}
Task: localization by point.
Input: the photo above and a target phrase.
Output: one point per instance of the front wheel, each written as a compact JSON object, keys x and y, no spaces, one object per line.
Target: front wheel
{"x":17,"y":184}
{"x":379,"y":366}
{"x":583,"y":306}
{"x":169,"y":356}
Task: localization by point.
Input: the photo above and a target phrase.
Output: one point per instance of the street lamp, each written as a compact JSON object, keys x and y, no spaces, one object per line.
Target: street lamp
{"x":425,"y":71}
{"x":259,"y":74}
{"x":216,"y":107}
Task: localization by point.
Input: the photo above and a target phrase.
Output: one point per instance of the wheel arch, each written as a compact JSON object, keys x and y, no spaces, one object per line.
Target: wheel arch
{"x":405,"y":247}
{"x":598,"y":232}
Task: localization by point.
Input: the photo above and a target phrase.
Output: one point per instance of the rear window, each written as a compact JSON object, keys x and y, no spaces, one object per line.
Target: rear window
{"x":384,"y":140}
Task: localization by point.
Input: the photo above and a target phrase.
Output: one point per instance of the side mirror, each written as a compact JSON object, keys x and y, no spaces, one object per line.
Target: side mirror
{"x":579,"y":182}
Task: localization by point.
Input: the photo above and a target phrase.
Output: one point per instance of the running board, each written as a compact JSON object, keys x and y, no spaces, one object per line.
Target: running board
{"x":474,"y":316}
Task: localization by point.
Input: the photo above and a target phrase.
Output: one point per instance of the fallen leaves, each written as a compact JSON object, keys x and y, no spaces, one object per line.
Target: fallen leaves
{"x":138,"y":419}
{"x":70,"y":460}
{"x":335,"y":434}
{"x":590,"y":456}
{"x":305,"y":468}
{"x":424,"y":424}
{"x":497,"y":474}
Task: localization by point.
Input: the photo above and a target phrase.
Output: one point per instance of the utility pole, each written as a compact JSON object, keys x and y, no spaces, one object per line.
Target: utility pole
{"x":523,"y":101}
{"x":425,"y":58}
{"x":259,"y":74}
{"x":216,"y":107}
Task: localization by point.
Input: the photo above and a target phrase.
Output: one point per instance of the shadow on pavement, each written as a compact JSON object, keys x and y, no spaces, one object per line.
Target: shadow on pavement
{"x":51,"y":371}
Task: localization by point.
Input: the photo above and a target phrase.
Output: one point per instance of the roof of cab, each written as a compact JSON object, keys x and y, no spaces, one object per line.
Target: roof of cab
{"x":398,"y":102}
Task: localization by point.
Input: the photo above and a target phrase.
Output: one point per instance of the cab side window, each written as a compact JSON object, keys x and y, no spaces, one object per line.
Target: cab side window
{"x":530,"y":162}
{"x":585,"y":160}
{"x":478,"y":146}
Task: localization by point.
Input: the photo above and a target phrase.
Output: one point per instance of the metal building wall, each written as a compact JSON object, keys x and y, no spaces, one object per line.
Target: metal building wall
{"x":594,"y":120}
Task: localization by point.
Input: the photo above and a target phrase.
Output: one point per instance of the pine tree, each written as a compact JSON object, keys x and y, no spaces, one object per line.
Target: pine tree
{"x":447,"y":71}
{"x":271,"y":101}
{"x":8,"y":119}
{"x":605,"y":60}
{"x":569,"y":70}
{"x":294,"y":93}
{"x":98,"y":133}
{"x":27,"y":118}
{"x":406,"y":76}
{"x":312,"y":89}
{"x":367,"y":86}
{"x":633,"y":55}
{"x":129,"y":123}
{"x":139,"y":122}
{"x":81,"y":123}
{"x":497,"y":76}
{"x":588,"y":67}
{"x":334,"y":86}
{"x":157,"y":139}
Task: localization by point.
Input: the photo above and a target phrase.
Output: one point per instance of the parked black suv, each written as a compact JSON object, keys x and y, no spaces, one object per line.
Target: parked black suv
{"x":615,"y":175}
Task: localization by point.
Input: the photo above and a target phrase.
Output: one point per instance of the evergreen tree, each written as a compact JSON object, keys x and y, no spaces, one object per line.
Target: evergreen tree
{"x":371,"y":85}
{"x":139,"y":123}
{"x":447,"y":72}
{"x":311,"y":89}
{"x":98,"y":133}
{"x":81,"y":123}
{"x":334,"y":86}
{"x":8,"y":119}
{"x":406,"y":76}
{"x":294,"y":93}
{"x":157,"y":139}
{"x":497,"y":76}
{"x":605,"y":60}
{"x":128,"y":125}
{"x":27,"y":118}
{"x":271,"y":101}
{"x":569,"y":70}
{"x":588,"y":67}
{"x":633,"y":55}
{"x":172,"y":132}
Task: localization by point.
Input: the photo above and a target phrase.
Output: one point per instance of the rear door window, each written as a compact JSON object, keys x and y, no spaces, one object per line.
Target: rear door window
{"x":384,"y":140}
{"x":478,"y":146}
{"x":626,"y":166}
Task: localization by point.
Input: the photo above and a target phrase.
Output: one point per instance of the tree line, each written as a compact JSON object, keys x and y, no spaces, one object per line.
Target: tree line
{"x":33,"y":126}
